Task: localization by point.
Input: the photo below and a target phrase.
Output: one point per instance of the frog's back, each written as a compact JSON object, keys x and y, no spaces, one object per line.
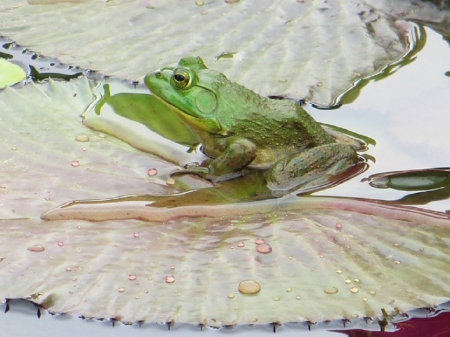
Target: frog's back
{"x":278,"y":129}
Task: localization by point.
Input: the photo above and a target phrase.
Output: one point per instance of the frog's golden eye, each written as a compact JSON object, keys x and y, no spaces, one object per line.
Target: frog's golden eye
{"x":181,"y":78}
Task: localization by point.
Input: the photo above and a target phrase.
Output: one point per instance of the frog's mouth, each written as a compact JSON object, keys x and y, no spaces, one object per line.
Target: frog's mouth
{"x":194,"y":123}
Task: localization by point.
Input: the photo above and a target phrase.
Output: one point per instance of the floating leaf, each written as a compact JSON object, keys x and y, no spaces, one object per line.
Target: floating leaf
{"x":10,"y":73}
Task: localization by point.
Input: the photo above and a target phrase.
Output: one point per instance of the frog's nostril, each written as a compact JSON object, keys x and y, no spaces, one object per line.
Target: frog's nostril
{"x":158,"y":73}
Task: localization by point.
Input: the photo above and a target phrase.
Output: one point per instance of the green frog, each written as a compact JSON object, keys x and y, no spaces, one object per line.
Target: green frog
{"x":240,"y":129}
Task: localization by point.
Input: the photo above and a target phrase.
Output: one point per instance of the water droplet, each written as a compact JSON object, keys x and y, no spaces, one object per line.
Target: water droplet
{"x":397,"y":262}
{"x":46,"y":198}
{"x":281,"y":80}
{"x":319,"y":84}
{"x":136,"y":297}
{"x":365,"y":299}
{"x":152,"y":172}
{"x":338,"y":271}
{"x":354,"y":290}
{"x":338,"y":225}
{"x":75,"y":163}
{"x":132,"y":277}
{"x":170,"y":181}
{"x":249,"y":287}
{"x":240,"y":244}
{"x":276,"y":299}
{"x":232,"y":247}
{"x":331,"y":290}
{"x":136,"y":234}
{"x":172,"y":267}
{"x":14,"y":148}
{"x":84,"y":149}
{"x":422,"y":249}
{"x":82,"y":138}
{"x":230,"y":295}
{"x":298,"y":297}
{"x":254,"y":320}
{"x":60,"y":243}
{"x":68,"y":268}
{"x":169,"y":279}
{"x":259,"y":241}
{"x":348,"y":281}
{"x":264,"y":248}
{"x":121,"y":290}
{"x":199,"y":2}
{"x":291,"y":257}
{"x":36,"y":249}
{"x":356,"y":280}
{"x":101,"y":135}
{"x":288,"y":290}
{"x":372,"y":292}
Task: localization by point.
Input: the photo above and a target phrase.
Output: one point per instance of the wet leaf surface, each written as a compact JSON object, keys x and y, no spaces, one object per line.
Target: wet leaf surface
{"x":184,"y":270}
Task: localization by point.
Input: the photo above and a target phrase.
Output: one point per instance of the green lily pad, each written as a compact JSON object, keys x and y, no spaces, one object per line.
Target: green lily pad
{"x":10,"y":73}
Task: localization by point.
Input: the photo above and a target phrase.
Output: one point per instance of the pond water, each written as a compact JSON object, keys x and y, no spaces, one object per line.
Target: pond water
{"x":407,"y":115}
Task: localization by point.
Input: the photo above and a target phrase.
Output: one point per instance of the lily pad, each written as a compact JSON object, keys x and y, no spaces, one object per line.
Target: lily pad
{"x":10,"y":73}
{"x":328,"y":259}
{"x":50,"y":156}
{"x":309,"y":49}
{"x":323,"y":258}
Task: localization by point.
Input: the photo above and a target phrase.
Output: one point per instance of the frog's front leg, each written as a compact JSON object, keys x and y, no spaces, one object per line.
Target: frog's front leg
{"x":237,"y":154}
{"x":312,"y":168}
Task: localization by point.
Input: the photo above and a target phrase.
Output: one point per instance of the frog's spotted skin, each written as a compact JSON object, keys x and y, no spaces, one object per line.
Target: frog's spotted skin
{"x":239,"y":128}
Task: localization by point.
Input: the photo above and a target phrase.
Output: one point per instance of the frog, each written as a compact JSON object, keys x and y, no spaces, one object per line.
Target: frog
{"x":241,"y":130}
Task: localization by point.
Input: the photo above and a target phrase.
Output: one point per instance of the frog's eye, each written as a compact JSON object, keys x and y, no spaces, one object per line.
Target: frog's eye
{"x":181,"y":78}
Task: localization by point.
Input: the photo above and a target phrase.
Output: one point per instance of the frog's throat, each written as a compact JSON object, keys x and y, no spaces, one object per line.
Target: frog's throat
{"x":198,"y":124}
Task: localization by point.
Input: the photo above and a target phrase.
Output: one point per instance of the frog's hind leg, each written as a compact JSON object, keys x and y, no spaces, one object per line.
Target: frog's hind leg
{"x":311,"y":169}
